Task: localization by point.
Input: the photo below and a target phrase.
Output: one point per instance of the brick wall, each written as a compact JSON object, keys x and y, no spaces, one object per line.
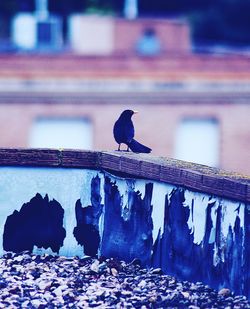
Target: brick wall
{"x":156,"y":124}
{"x":174,"y":35}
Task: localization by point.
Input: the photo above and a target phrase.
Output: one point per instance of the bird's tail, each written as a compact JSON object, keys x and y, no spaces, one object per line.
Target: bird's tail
{"x":138,"y":147}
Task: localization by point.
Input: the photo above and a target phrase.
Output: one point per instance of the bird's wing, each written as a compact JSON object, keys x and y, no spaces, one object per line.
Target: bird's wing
{"x":123,"y":131}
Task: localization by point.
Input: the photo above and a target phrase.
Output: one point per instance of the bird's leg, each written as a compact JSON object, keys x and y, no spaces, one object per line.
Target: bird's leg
{"x":119,"y":147}
{"x":127,"y":149}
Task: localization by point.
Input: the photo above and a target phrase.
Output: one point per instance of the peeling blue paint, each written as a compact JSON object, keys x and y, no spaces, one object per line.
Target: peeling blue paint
{"x":246,"y":251}
{"x":177,"y":254}
{"x":188,"y":234}
{"x":87,"y":230}
{"x":38,"y":223}
{"x":128,"y":225}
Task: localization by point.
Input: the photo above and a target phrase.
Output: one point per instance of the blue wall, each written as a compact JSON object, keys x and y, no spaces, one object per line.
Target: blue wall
{"x":192,"y":235}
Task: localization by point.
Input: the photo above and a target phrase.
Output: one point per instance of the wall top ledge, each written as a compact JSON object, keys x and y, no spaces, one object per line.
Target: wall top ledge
{"x":192,"y":176}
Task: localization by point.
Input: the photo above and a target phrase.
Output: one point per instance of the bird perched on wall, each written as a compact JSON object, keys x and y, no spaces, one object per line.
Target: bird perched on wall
{"x":124,"y":133}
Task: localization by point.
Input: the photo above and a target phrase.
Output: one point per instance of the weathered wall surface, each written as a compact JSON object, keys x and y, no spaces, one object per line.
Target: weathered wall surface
{"x":195,"y":236}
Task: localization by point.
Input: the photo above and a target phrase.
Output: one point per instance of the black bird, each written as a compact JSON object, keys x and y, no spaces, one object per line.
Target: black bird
{"x":124,"y":133}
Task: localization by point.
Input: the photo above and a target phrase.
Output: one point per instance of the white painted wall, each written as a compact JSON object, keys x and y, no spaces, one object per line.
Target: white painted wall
{"x":91,"y":34}
{"x":74,"y":133}
{"x":24,"y":31}
{"x":198,"y":140}
{"x":19,"y":184}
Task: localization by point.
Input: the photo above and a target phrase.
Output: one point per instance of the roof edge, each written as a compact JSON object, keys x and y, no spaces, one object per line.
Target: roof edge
{"x":190,"y":175}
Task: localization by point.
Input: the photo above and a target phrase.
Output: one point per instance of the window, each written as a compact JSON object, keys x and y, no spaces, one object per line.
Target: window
{"x":148,"y":44}
{"x":49,"y":34}
{"x":197,"y":140}
{"x":61,"y":133}
{"x":44,"y":35}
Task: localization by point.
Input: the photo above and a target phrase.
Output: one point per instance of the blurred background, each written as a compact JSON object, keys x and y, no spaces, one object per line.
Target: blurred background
{"x":68,"y":69}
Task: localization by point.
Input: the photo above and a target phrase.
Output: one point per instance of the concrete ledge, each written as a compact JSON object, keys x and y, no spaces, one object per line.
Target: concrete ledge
{"x":193,"y":176}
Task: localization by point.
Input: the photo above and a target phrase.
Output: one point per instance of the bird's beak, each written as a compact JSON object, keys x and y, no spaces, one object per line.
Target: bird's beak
{"x":135,"y":112}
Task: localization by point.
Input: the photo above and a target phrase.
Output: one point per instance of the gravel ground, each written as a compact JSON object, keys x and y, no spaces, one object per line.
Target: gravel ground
{"x":34,"y":281}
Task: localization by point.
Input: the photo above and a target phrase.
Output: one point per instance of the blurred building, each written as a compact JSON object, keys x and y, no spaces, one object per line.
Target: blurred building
{"x":191,"y":106}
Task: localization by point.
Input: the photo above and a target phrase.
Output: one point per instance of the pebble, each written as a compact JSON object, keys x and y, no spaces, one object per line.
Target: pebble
{"x":114,"y":272}
{"x":224,"y":292}
{"x":46,"y":281}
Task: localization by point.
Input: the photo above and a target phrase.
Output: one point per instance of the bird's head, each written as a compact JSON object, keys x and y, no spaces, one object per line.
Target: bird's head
{"x":128,"y":113}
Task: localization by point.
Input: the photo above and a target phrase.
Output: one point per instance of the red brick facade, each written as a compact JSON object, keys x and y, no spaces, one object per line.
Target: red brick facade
{"x":173,"y":34}
{"x":156,"y":125}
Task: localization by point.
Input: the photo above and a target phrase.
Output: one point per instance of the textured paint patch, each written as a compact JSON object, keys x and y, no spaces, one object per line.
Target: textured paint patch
{"x":128,"y":224}
{"x":86,"y":231}
{"x":189,"y":234}
{"x":246,"y":252}
{"x":158,"y":201}
{"x":38,"y":223}
{"x":20,"y":184}
{"x":218,"y":257}
{"x":177,"y":240}
{"x":197,"y":204}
